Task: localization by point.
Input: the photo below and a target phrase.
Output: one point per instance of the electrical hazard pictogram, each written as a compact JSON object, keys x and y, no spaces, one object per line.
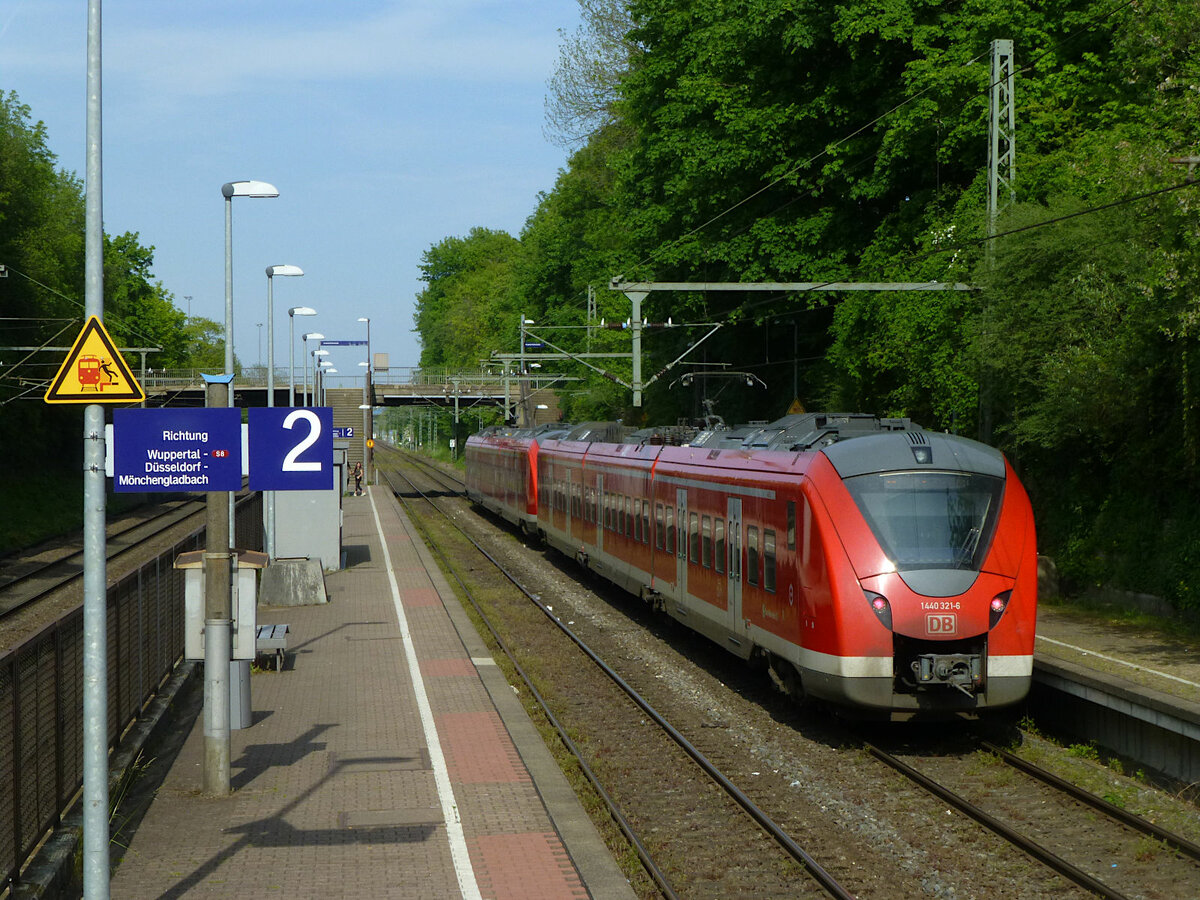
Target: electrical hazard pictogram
{"x":94,"y":372}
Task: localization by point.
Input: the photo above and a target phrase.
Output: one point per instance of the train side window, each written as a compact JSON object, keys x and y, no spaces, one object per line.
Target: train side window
{"x":719,"y":554}
{"x":706,"y":542}
{"x":693,"y":538}
{"x":769,"y":560}
{"x":791,"y":523}
{"x":658,"y":526}
{"x":752,"y":554}
{"x":608,"y":510}
{"x":645,"y":521}
{"x":671,"y":530}
{"x":629,"y":517}
{"x":637,"y":520}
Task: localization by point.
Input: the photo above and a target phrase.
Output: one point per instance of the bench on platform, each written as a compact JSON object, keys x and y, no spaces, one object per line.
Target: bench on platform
{"x":272,"y":639}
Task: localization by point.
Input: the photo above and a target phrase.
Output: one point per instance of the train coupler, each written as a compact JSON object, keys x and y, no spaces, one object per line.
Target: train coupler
{"x":963,"y":671}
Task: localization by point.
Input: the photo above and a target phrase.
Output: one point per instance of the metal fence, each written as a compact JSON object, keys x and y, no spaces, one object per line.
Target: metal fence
{"x":41,"y":689}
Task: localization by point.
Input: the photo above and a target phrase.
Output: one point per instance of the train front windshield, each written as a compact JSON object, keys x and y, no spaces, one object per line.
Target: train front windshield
{"x":930,"y":520}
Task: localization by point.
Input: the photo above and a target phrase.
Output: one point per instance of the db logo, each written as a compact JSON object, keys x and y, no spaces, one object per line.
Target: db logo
{"x":941,"y":624}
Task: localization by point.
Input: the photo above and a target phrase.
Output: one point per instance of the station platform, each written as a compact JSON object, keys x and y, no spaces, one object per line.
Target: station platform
{"x":1132,"y":690}
{"x":1146,"y":661}
{"x":388,"y":759}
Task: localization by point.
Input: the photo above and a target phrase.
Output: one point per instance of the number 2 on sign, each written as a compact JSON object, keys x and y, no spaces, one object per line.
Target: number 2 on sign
{"x":290,"y":462}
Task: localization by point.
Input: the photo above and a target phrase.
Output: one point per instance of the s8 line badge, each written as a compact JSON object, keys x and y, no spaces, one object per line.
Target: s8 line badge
{"x":941,"y":624}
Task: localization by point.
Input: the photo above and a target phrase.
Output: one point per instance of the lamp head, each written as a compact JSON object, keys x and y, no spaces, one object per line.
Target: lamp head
{"x":284,"y":270}
{"x":248,"y":189}
{"x":302,"y":311}
{"x":313,"y":336}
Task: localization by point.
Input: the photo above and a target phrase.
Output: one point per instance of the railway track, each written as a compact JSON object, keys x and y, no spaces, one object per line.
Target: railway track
{"x":825,"y":790}
{"x":697,"y":807}
{"x":23,"y":581}
{"x":1086,"y":839}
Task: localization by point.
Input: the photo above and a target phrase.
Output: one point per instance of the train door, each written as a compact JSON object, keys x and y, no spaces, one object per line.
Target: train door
{"x":681,"y":544}
{"x":601,"y":506}
{"x":573,"y":487}
{"x":734,"y":568}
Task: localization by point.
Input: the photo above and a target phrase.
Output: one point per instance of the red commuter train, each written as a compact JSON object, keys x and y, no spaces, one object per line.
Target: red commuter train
{"x":888,"y":570}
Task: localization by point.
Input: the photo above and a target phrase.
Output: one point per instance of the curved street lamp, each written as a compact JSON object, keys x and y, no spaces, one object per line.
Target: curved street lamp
{"x":254,"y":190}
{"x":218,"y":643}
{"x":311,"y":336}
{"x":292,"y":313}
{"x":269,"y":496}
{"x":272,"y":271}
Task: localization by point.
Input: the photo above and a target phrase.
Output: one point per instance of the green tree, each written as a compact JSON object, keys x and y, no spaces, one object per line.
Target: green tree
{"x":462,"y":312}
{"x":584,"y":90}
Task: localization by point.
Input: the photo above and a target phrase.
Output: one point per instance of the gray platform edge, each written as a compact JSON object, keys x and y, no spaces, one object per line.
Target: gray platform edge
{"x":599,"y":871}
{"x":1155,"y":729}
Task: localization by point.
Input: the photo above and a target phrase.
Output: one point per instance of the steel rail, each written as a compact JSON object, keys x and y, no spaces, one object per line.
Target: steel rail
{"x":1034,"y":849}
{"x":819,"y":874}
{"x":1170,"y":838}
{"x":177,"y":513}
{"x":614,"y":811}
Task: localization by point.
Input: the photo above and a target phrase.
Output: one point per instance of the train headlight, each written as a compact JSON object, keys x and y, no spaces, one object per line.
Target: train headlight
{"x":997,"y":607}
{"x":881,"y":607}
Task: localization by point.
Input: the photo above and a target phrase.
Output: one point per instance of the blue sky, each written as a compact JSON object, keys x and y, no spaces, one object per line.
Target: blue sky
{"x":386,"y":126}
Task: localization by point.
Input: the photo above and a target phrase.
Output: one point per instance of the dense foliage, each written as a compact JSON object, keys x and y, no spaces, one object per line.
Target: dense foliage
{"x":796,"y":140}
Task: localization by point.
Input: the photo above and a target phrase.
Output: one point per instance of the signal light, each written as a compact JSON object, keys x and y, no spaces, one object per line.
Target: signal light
{"x":880,"y":606}
{"x":997,"y":607}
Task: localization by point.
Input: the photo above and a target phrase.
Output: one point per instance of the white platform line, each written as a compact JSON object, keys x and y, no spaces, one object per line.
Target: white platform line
{"x":441,"y":775}
{"x":1121,"y":662}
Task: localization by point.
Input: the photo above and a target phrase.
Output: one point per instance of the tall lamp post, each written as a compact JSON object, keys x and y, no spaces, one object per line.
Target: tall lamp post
{"x":317,"y":360}
{"x":269,"y":496}
{"x":311,"y":336}
{"x":254,"y":190}
{"x":368,"y":400}
{"x":272,"y":271}
{"x":218,"y":612}
{"x":292,"y":313}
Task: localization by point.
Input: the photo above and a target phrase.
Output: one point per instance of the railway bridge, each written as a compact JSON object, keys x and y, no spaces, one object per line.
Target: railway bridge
{"x":527,"y":400}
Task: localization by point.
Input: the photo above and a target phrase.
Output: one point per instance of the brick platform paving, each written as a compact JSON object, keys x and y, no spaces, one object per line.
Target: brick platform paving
{"x":380,"y":763}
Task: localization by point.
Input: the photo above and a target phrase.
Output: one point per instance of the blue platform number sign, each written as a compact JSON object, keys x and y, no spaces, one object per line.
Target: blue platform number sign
{"x":291,"y":449}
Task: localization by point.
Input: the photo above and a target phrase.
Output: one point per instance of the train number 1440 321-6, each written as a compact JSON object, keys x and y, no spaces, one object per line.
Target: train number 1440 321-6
{"x":941,"y":604}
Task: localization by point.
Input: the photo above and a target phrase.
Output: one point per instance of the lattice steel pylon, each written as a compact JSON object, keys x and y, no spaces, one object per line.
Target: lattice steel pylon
{"x":1002,"y":135}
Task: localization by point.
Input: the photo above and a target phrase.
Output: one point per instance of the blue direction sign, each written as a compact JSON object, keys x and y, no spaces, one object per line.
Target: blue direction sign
{"x":291,"y":449}
{"x":177,"y":449}
{"x":343,"y":432}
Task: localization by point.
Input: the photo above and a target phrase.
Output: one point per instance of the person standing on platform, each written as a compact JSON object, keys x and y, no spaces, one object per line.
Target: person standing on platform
{"x":358,"y":477}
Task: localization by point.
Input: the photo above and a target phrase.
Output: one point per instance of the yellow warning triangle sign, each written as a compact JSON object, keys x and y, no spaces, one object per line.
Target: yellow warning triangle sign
{"x":94,"y":371}
{"x":796,"y":407}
